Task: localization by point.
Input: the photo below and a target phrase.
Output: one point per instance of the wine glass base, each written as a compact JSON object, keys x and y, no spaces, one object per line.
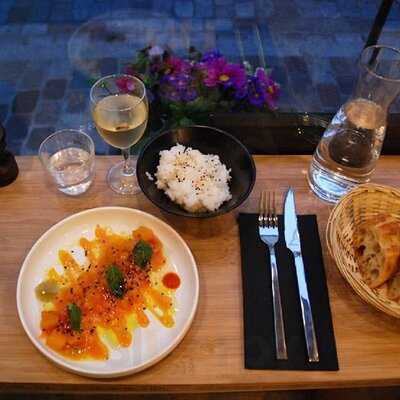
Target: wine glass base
{"x":122,"y":183}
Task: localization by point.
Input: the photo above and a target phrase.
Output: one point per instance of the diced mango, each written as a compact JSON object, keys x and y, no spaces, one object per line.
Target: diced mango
{"x":72,"y":268}
{"x":157,"y":260}
{"x":49,"y":320}
{"x":56,"y":340}
{"x":143,"y":233}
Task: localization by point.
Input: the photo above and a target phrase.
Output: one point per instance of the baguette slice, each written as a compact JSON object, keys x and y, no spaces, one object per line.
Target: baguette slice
{"x":393,"y":292}
{"x":377,"y":248}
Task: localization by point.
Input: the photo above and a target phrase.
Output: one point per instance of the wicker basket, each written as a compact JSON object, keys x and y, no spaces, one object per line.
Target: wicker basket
{"x":356,"y":207}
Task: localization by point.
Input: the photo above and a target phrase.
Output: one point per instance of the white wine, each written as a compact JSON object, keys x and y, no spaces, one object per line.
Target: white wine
{"x":121,"y":119}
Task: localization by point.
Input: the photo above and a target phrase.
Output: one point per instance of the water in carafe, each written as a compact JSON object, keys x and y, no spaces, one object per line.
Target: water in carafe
{"x":347,"y":153}
{"x":350,"y":147}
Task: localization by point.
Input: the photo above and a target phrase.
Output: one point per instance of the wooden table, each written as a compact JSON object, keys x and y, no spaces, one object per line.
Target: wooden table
{"x":210,"y":358}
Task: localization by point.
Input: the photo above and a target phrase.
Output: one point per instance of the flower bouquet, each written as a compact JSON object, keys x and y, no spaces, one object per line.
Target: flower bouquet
{"x":185,"y":91}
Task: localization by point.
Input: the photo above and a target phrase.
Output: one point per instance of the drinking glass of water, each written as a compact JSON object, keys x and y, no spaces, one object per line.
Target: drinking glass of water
{"x":350,"y":147}
{"x":68,"y":155}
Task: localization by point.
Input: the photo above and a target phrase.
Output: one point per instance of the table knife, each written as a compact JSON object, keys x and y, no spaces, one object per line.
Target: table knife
{"x":292,"y":239}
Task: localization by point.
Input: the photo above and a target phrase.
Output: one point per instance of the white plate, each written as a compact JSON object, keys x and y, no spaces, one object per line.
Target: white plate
{"x":150,"y":344}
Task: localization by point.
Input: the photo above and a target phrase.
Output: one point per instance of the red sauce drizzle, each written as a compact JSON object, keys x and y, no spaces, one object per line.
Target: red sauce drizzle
{"x":171,"y":280}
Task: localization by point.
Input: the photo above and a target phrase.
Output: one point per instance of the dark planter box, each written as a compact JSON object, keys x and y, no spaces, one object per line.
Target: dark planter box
{"x":289,"y":133}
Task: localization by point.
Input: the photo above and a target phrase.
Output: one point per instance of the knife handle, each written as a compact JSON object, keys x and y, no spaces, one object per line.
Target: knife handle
{"x":308,"y":323}
{"x":279,"y":327}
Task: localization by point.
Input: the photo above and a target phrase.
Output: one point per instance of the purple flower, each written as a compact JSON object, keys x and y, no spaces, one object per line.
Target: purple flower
{"x":219,"y":72}
{"x":176,"y":65}
{"x":182,"y":81}
{"x":241,"y":93}
{"x":211,"y":56}
{"x":268,"y":86}
{"x":125,"y":84}
{"x":177,"y":81}
{"x":262,"y":76}
{"x":189,"y":95}
{"x":272,"y":96}
{"x":179,"y":87}
{"x":171,"y":94}
{"x":213,"y":78}
{"x":256,"y":94}
{"x":262,"y":90}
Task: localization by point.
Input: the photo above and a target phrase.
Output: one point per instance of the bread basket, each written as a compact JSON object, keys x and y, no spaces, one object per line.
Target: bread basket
{"x":356,"y":207}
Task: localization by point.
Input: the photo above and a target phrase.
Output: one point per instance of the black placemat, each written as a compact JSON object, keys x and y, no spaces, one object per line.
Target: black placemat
{"x":257,"y":299}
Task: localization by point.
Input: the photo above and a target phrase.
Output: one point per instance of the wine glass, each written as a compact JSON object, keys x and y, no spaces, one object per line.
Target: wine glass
{"x":120,"y":112}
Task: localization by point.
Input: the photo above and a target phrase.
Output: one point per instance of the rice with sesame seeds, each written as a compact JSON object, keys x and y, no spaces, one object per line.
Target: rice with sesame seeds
{"x":198,"y":182}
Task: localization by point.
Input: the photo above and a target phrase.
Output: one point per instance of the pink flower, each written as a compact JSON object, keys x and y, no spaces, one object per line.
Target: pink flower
{"x":272,"y":95}
{"x":176,"y":65}
{"x":219,"y":72}
{"x":125,"y":84}
{"x":269,"y":88}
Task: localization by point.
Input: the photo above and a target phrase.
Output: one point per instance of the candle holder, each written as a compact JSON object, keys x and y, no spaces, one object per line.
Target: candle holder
{"x":8,"y":165}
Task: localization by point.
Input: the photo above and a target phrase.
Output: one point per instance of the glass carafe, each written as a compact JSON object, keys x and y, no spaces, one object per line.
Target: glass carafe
{"x":350,"y":147}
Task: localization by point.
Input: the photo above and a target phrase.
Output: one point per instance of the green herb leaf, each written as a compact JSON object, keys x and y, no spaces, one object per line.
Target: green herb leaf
{"x":75,"y":316}
{"x":142,"y":253}
{"x":115,"y":281}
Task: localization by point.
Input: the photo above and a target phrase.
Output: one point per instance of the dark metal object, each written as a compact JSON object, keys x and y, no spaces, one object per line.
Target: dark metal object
{"x":379,"y":22}
{"x":8,"y":165}
{"x":377,"y":27}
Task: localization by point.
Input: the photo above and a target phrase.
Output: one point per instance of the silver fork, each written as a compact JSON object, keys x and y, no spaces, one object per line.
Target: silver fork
{"x":269,"y":234}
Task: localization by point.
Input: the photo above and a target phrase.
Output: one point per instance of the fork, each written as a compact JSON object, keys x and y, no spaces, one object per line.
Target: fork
{"x":269,"y":234}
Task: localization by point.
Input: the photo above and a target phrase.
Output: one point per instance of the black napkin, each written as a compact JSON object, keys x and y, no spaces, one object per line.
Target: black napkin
{"x":257,"y":299}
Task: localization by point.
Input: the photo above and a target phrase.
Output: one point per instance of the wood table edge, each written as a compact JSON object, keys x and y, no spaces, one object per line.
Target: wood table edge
{"x":115,"y":387}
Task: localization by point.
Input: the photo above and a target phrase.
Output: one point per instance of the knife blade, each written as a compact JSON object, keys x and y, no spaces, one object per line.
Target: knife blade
{"x":292,"y":239}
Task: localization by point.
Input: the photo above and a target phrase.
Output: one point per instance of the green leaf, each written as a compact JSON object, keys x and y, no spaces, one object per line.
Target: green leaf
{"x":214,"y":95}
{"x":75,"y":316}
{"x":201,"y":104}
{"x":115,"y":281}
{"x":142,"y":253}
{"x":176,"y":108}
{"x":142,"y":60}
{"x":185,"y":121}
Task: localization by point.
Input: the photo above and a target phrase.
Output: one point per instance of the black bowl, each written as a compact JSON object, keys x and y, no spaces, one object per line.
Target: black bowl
{"x":209,"y":141}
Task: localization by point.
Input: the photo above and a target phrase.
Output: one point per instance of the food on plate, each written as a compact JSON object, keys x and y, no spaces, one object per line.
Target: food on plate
{"x":377,"y":249}
{"x":197,"y":182}
{"x":171,"y":280}
{"x":47,"y":290}
{"x":105,"y":298}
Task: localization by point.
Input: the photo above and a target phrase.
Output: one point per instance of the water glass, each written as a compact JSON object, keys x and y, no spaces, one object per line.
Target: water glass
{"x":68,"y":156}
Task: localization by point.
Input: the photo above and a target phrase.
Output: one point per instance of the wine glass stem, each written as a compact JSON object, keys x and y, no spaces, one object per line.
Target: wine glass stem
{"x":128,"y":169}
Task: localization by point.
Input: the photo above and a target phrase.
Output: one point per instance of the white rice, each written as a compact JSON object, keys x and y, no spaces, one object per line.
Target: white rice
{"x":198,"y":182}
{"x":149,"y":176}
